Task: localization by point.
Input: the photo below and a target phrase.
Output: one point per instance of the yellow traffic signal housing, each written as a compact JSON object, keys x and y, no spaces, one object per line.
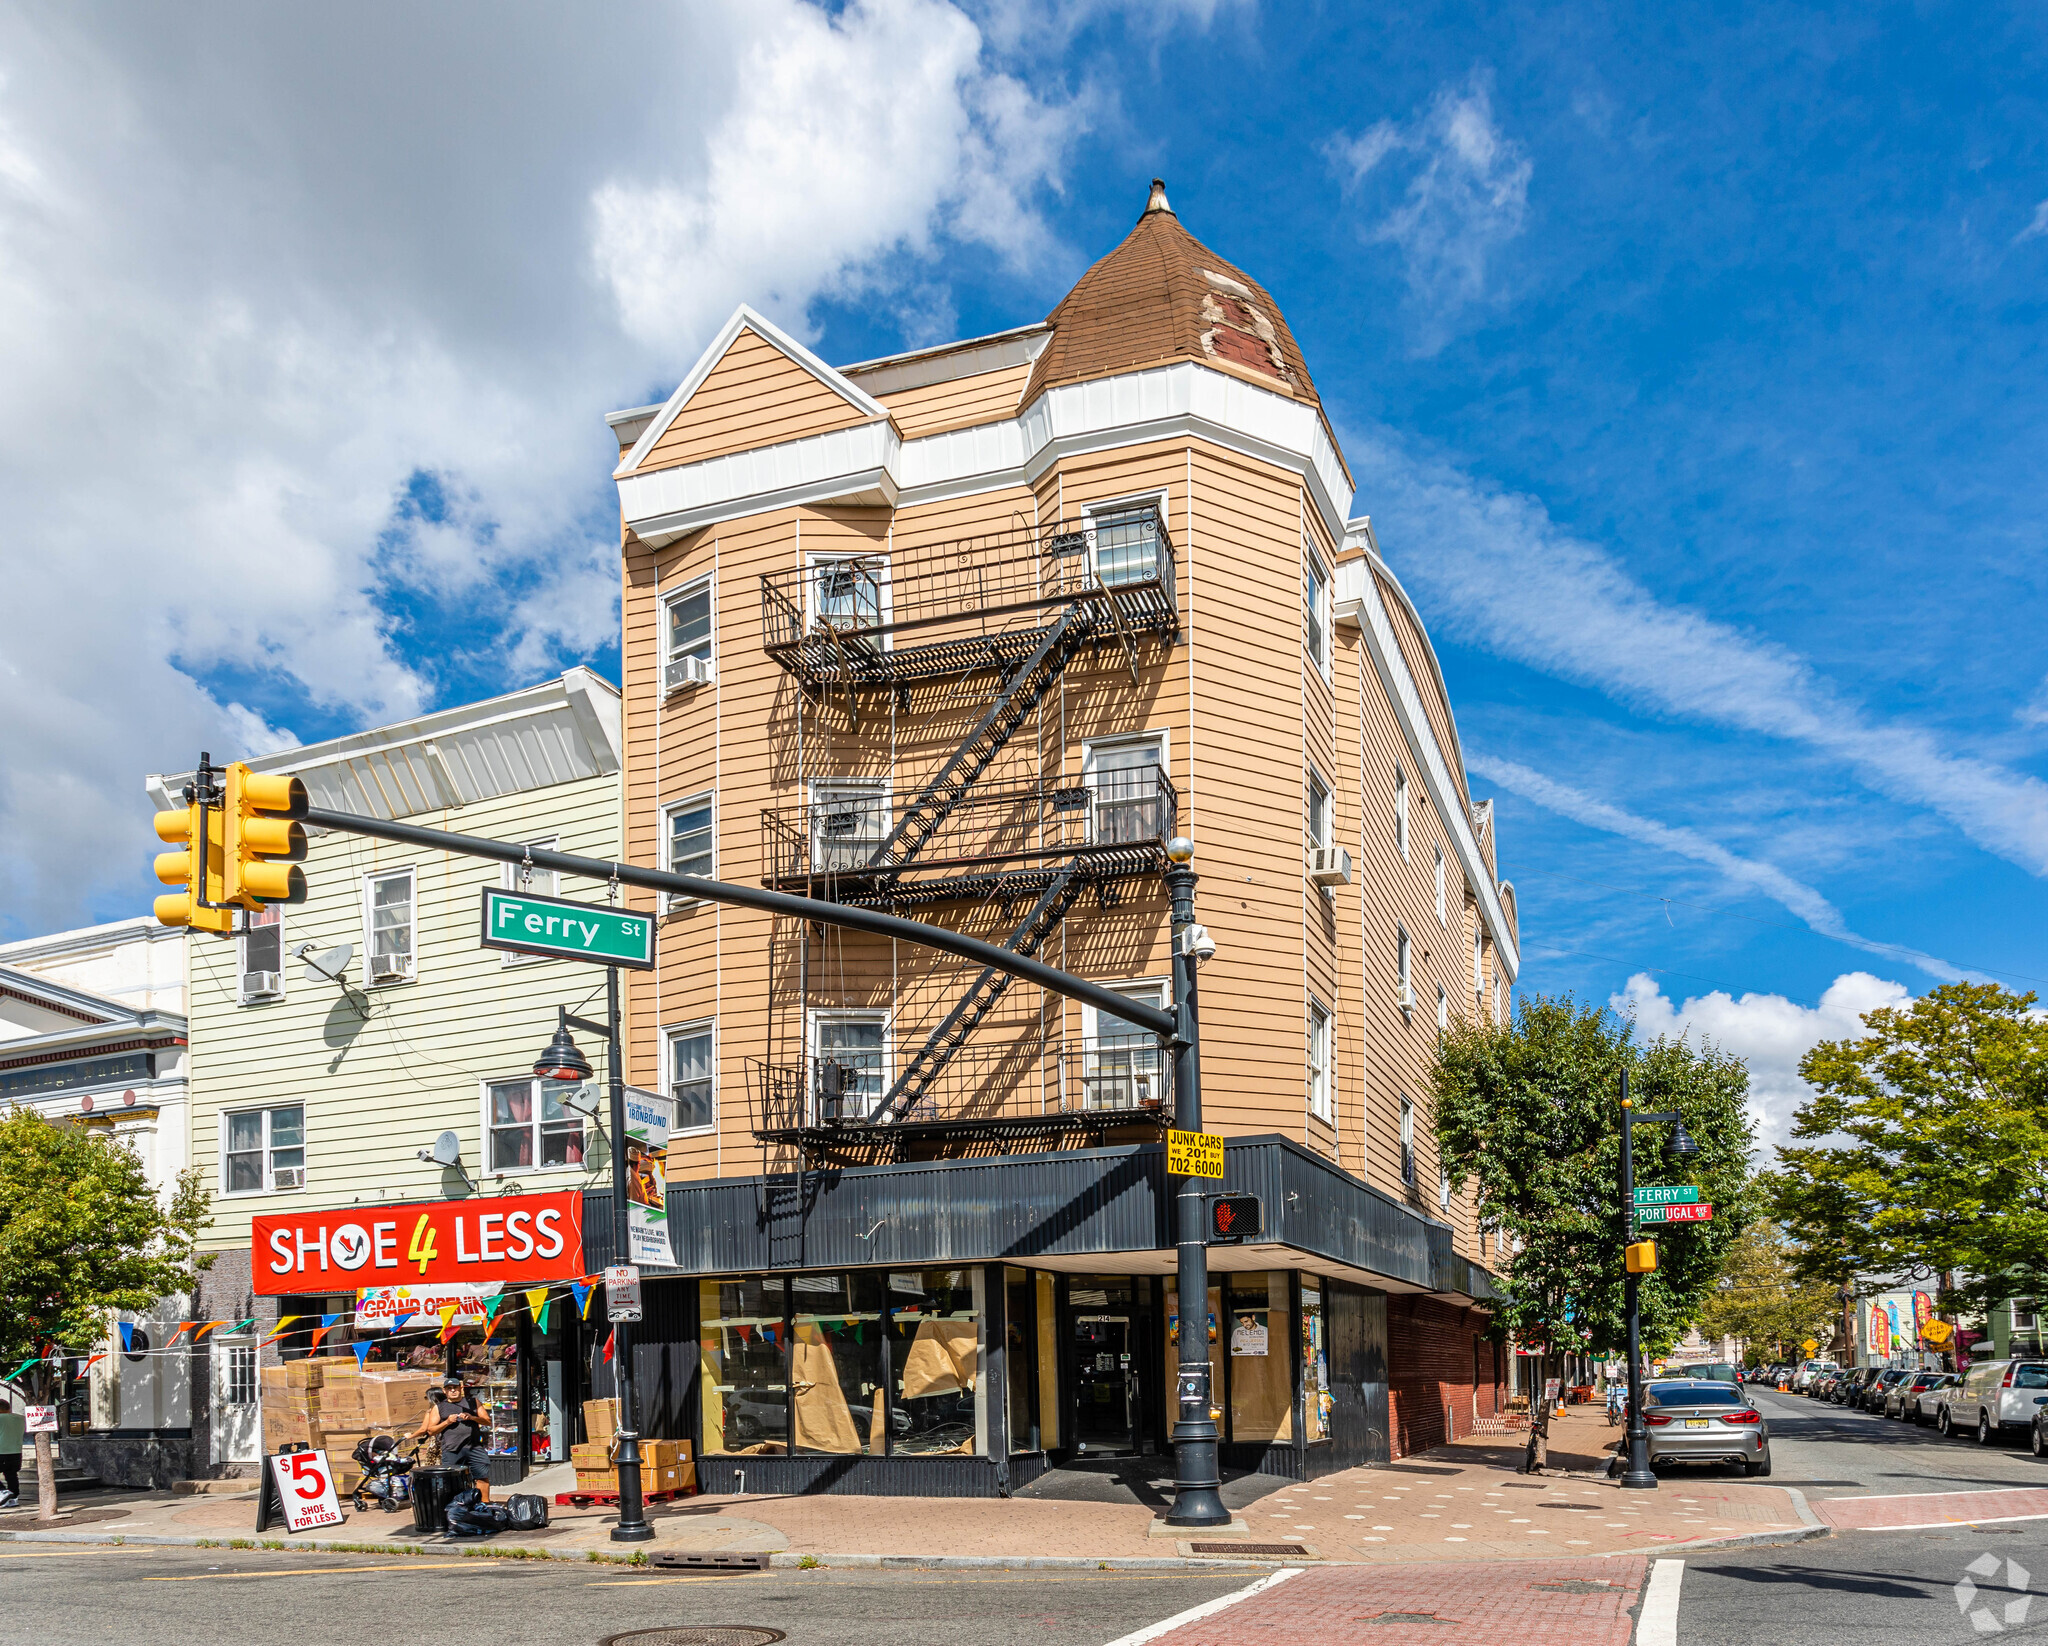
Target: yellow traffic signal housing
{"x":197,"y":871}
{"x":262,"y":841}
{"x":1641,"y":1258}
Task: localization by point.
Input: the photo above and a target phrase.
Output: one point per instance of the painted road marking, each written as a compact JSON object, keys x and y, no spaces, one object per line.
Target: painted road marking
{"x":316,"y":1571}
{"x":72,"y":1554}
{"x":1659,"y":1623}
{"x":1194,"y":1614}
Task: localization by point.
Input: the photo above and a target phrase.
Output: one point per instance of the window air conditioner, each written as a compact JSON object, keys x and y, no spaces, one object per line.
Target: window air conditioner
{"x":687,"y":671}
{"x":1330,"y":866}
{"x":388,"y":968}
{"x":289,"y":1177}
{"x":1407,"y":998}
{"x":262,"y":985}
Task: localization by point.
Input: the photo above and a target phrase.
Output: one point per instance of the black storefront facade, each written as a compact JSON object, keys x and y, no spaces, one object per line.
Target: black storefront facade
{"x":953,"y":1328}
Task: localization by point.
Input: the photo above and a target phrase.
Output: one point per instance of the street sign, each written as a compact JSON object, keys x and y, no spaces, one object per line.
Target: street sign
{"x":1675,"y":1214}
{"x":1673,"y":1194}
{"x":1810,"y":1345}
{"x":1235,"y":1217}
{"x":622,"y":1293}
{"x":526,"y":924}
{"x":1194,"y":1154}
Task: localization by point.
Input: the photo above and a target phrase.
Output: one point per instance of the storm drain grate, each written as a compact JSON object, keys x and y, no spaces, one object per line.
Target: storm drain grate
{"x":1285,"y":1550}
{"x":712,"y":1562}
{"x":697,"y":1634}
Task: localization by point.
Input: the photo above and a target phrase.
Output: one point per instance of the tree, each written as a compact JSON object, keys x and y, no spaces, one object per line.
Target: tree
{"x":1760,"y":1297}
{"x":81,"y":1233}
{"x":1530,"y":1113}
{"x":1929,"y":1150}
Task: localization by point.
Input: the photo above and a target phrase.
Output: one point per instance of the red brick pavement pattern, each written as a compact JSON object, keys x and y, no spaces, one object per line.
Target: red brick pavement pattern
{"x":1519,"y":1602}
{"x":1874,"y":1514}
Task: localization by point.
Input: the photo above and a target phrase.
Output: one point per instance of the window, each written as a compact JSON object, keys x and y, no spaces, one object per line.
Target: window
{"x":689,"y":622}
{"x":1401,"y":812}
{"x":850,"y":821}
{"x":1315,"y":594}
{"x":1408,"y":1141}
{"x":1120,"y":1063}
{"x":531,"y":1124}
{"x":1443,"y":916}
{"x":1443,"y":1010}
{"x":1443,"y":1191}
{"x":850,"y":1062}
{"x":690,"y":1077}
{"x":688,"y":827}
{"x":1318,"y":810}
{"x":2024,"y":1317}
{"x":1401,"y":967}
{"x":1478,"y":968}
{"x":262,"y":976}
{"x":541,"y":883}
{"x":1500,"y":1002}
{"x":1128,"y":794}
{"x":1319,"y":1103}
{"x":1123,"y":539}
{"x":388,"y":924}
{"x":850,"y":593}
{"x":263,"y":1150}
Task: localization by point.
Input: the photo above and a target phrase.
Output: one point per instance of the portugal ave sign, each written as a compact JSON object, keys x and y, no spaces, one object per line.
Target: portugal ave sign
{"x":554,"y":926}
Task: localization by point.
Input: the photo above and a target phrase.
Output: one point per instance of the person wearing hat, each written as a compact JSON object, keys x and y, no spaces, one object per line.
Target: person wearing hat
{"x":457,"y":1422}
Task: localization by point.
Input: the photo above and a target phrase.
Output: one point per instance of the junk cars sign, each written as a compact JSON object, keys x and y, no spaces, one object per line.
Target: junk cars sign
{"x":503,"y":1237}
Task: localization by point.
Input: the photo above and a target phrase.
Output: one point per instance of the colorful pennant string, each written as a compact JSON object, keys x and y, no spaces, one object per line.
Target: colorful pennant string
{"x":583,"y":1295}
{"x":362,"y":1349}
{"x":609,"y":1341}
{"x":127,"y":1336}
{"x":447,"y":1321}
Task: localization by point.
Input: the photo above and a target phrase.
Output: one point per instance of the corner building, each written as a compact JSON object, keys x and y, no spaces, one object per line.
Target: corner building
{"x":968,"y":634}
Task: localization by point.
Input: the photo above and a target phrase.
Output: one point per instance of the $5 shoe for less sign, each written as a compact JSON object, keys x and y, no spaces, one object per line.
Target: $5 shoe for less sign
{"x":507,"y":1237}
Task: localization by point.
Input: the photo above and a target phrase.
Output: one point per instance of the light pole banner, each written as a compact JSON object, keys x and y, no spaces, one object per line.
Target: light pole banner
{"x":647,"y":1240}
{"x":647,"y":1118}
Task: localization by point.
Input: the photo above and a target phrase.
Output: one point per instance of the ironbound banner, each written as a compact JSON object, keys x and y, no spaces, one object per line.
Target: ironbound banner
{"x":528,"y":1237}
{"x":526,"y":924}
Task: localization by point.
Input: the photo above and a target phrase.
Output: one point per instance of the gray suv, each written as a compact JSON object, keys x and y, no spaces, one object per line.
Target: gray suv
{"x":1702,"y":1421}
{"x":1995,"y":1397}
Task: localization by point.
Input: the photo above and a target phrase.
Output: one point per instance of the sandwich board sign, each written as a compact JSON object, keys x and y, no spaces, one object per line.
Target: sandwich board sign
{"x":305,"y":1493}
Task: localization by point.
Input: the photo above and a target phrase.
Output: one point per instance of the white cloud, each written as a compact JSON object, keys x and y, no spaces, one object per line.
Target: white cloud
{"x":1746,"y":873}
{"x":1467,"y":198}
{"x":295,"y":257}
{"x":1498,"y":571}
{"x":1767,"y":1031}
{"x":2036,"y":228}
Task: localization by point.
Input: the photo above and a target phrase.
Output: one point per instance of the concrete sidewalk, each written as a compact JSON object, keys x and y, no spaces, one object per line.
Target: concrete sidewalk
{"x":1462,"y":1502}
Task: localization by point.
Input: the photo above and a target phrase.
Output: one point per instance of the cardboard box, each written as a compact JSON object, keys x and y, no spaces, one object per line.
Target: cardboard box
{"x":597,"y":1480}
{"x":591,"y":1454}
{"x":393,"y":1398}
{"x":600,"y":1419}
{"x":664,"y":1454}
{"x":304,"y":1374}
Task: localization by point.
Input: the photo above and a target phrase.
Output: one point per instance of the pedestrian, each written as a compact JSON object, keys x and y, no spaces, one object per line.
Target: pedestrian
{"x":458,"y":1424}
{"x":13,"y":1428}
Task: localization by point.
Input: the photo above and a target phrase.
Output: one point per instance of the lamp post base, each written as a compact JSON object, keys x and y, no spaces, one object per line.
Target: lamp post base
{"x":1197,"y":1500}
{"x":638,"y":1532}
{"x":1640,"y":1481}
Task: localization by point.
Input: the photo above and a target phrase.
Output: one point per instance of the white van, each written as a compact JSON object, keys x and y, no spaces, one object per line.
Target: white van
{"x":1995,"y":1396}
{"x":1802,"y":1380}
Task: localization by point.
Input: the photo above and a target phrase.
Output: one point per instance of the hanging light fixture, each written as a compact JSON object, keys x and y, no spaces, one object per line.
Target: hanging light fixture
{"x":562,"y":1061}
{"x":1681,"y":1139}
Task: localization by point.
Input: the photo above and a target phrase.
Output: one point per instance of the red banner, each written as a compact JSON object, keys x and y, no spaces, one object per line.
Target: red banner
{"x":506,"y":1238}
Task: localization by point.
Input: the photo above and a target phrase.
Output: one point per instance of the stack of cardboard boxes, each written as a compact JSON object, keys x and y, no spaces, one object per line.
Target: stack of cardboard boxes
{"x":331,"y":1405}
{"x":665,"y":1465}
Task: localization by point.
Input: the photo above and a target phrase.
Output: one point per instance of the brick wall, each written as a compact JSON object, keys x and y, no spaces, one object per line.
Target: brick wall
{"x":1431,"y":1365}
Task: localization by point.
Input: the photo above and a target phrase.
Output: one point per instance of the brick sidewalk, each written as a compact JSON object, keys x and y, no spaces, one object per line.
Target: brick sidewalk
{"x":1877,"y":1514}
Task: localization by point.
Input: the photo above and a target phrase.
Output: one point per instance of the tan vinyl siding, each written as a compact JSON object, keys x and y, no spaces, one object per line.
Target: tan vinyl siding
{"x":987,"y":397}
{"x":755,"y":396}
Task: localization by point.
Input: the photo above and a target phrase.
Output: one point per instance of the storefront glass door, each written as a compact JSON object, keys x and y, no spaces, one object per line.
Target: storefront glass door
{"x":1106,"y":1416}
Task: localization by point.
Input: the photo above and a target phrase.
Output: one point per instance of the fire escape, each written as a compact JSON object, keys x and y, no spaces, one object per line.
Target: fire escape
{"x":994,"y":623}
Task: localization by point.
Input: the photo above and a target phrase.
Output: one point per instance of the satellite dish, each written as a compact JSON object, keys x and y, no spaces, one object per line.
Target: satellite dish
{"x":447,"y":1150}
{"x":330,"y":966}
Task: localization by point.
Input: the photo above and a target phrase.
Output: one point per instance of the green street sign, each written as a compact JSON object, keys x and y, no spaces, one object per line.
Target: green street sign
{"x":1678,"y":1194}
{"x":568,"y":931}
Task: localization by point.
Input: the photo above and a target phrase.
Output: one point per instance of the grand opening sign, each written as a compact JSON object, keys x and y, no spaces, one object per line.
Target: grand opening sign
{"x":503,"y":1238}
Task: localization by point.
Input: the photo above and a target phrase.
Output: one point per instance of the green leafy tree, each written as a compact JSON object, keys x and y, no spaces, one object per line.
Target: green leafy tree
{"x":1923,"y":1152}
{"x":1760,"y":1297}
{"x":1529,"y":1112}
{"x":81,"y":1233}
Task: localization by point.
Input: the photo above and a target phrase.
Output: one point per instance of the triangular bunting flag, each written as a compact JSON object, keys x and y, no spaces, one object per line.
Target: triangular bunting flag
{"x":96,"y":1359}
{"x":447,"y":1321}
{"x":318,"y":1333}
{"x":491,"y":1307}
{"x":243,"y":1325}
{"x":536,"y":1301}
{"x":583,"y":1295}
{"x":362,"y":1353}
{"x":207,"y":1327}
{"x":285,"y":1320}
{"x":746,"y":1333}
{"x":608,"y":1342}
{"x":127,"y":1336}
{"x":184,"y":1326}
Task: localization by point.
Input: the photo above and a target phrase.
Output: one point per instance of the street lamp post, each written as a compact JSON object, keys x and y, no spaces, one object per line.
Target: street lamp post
{"x":1639,"y":1475}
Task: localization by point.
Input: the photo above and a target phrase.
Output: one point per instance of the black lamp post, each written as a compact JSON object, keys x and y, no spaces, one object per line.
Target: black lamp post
{"x":1639,"y":1475}
{"x":562,"y":1061}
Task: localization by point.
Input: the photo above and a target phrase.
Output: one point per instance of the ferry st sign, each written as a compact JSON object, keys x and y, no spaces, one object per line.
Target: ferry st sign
{"x":554,"y":926}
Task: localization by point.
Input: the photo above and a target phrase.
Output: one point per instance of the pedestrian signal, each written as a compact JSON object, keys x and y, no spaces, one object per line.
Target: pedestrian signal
{"x":1235,"y":1217}
{"x":262,"y":842}
{"x":1641,"y":1258}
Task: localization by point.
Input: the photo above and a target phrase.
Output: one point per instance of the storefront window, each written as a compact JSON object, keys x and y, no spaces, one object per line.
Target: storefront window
{"x":1021,"y":1363}
{"x":934,"y":1346}
{"x":1315,"y":1367}
{"x":1261,"y":1384}
{"x":835,"y":1372}
{"x":743,"y":1372}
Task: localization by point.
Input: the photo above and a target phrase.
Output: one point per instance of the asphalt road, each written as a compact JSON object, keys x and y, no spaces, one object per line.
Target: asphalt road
{"x":1872,"y":1588}
{"x":59,"y":1596}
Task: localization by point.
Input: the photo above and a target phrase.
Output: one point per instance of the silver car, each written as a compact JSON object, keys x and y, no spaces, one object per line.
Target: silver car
{"x":1697,"y":1421}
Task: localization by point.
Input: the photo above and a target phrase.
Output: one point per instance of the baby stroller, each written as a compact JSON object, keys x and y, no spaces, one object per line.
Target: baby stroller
{"x":387,"y":1473}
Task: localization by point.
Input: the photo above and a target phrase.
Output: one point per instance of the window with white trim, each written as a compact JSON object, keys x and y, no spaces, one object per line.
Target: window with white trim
{"x":849,"y":1062}
{"x":691,"y":1077}
{"x":1129,"y":799}
{"x":1478,"y":967}
{"x":262,"y":945}
{"x":1443,"y":912}
{"x":1401,"y":812}
{"x":2024,"y":1317}
{"x":686,"y":623}
{"x":1408,"y":1141}
{"x":688,"y":840}
{"x":1318,"y":810}
{"x":849,"y":593}
{"x":850,"y":820}
{"x":263,"y":1151}
{"x":1123,"y":538}
{"x":540,"y":883}
{"x":1443,"y":1010}
{"x":389,"y":930}
{"x":1402,"y":968}
{"x":1121,"y":1067}
{"x":532,"y":1126}
{"x":1315,"y":609}
{"x":1320,"y":1103}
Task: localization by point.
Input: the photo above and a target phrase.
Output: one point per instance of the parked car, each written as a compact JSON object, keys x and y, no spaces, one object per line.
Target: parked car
{"x":1857,"y":1385}
{"x":1808,"y":1373}
{"x":1872,"y":1396}
{"x":1929,"y":1402}
{"x":1899,"y":1399}
{"x":1995,"y":1397}
{"x":1704,"y":1420}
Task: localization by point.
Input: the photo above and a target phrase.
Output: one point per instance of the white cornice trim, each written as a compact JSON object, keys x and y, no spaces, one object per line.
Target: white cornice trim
{"x":745,"y":319}
{"x":665,"y":504}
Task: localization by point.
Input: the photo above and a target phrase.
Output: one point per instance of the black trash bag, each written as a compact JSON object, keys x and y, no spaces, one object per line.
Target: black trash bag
{"x":529,"y":1511}
{"x":470,"y":1516}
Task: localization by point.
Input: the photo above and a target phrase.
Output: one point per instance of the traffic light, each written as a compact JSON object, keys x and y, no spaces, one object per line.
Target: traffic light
{"x":262,"y":842}
{"x":197,"y":830}
{"x":1235,"y":1217}
{"x":1641,"y":1258}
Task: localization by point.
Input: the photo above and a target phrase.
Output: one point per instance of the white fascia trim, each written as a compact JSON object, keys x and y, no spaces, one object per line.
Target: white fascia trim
{"x":745,"y":319}
{"x":1416,"y":731}
{"x":595,"y":703}
{"x":664,"y":504}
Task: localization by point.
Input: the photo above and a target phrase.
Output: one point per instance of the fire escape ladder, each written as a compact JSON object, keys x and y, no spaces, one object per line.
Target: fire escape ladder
{"x":930,"y":1059}
{"x":1020,"y":694}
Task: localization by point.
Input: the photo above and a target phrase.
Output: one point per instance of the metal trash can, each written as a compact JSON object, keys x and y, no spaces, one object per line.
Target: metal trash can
{"x":432,"y":1490}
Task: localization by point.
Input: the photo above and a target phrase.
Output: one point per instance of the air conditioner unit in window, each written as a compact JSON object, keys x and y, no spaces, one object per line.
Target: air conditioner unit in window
{"x":1330,"y":866}
{"x":388,"y":968}
{"x":289,"y":1177}
{"x":262,"y":985}
{"x":1407,"y":998}
{"x":687,"y":671}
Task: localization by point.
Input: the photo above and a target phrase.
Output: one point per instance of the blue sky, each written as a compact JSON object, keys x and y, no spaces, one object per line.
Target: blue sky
{"x":1689,"y":361}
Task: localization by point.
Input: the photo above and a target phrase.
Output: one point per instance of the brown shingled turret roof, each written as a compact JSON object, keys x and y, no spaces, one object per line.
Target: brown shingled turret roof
{"x":1162,"y":295}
